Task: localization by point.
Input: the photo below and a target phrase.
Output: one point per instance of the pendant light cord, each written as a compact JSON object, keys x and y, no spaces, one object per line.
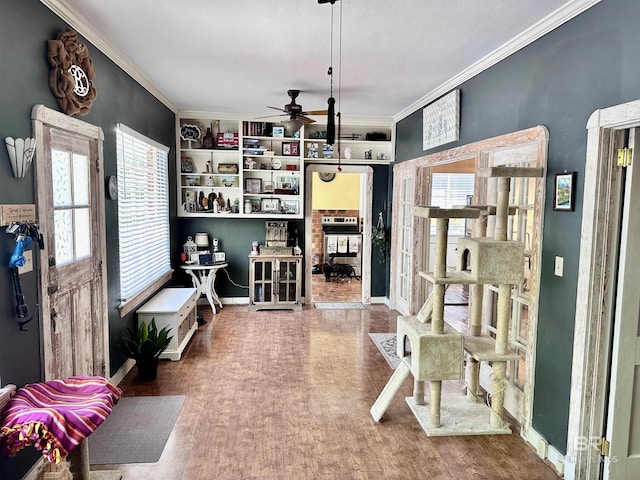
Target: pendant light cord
{"x":339,"y":83}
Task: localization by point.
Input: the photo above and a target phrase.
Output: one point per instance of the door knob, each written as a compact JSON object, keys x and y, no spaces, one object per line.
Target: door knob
{"x":52,"y":261}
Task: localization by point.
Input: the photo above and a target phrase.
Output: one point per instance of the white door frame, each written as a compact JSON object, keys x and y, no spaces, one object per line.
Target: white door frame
{"x":596,"y":284}
{"x":365,"y":208}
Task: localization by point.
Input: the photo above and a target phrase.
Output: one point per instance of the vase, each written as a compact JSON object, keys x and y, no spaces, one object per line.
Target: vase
{"x":207,"y":140}
{"x":147,"y":368}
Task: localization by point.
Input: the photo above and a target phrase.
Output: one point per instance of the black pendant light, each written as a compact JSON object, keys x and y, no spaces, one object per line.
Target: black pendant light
{"x":331,"y":102}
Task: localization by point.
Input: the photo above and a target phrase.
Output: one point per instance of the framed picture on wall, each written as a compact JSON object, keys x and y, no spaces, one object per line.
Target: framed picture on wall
{"x":564,"y":191}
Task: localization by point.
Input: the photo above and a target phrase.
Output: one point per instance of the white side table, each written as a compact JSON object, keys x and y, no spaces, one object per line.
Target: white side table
{"x":204,"y":279}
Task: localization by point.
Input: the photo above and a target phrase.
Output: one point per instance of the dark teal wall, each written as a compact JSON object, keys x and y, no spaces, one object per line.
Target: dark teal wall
{"x":236,"y":235}
{"x":591,"y":62}
{"x":26,"y":27}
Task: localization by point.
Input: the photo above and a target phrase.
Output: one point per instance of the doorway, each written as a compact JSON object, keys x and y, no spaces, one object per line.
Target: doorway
{"x":70,"y":206}
{"x":337,"y":254}
{"x":413,"y":182}
{"x":599,"y":340}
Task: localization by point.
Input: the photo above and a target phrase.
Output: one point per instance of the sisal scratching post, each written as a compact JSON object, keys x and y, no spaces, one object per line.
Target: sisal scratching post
{"x":437,"y":318}
{"x":502,"y":209}
{"x":499,"y":368}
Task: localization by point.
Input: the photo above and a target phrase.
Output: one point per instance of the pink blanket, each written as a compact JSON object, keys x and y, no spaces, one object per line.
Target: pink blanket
{"x":56,"y":416}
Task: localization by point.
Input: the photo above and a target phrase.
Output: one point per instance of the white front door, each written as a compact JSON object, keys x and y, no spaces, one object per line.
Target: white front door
{"x":71,"y":214}
{"x":623,"y":420}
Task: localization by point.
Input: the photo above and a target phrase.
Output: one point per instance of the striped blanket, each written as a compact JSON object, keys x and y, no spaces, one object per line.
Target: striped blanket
{"x":56,"y":416}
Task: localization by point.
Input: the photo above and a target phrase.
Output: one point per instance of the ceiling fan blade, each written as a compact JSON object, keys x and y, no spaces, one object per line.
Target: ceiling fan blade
{"x":278,"y":108}
{"x":315,"y":112}
{"x":306,"y":120}
{"x":272,"y":116}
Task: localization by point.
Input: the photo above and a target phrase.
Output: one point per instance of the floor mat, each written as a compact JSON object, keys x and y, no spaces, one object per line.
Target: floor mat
{"x":338,"y":305}
{"x":136,"y":431}
{"x":386,"y":343}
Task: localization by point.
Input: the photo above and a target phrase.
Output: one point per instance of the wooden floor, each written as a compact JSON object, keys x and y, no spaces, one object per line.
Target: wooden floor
{"x":335,"y":290}
{"x":286,"y":395}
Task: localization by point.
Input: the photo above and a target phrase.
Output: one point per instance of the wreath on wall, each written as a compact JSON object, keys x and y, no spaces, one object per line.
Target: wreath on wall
{"x":72,"y":73}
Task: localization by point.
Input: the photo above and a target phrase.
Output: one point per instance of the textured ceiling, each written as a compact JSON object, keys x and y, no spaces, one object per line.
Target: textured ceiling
{"x":242,"y":55}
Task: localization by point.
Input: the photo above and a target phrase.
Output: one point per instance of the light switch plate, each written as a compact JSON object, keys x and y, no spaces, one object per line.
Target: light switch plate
{"x":559,"y":267}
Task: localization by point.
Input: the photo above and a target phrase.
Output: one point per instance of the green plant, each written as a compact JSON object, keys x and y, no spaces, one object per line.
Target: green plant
{"x":146,"y":342}
{"x":381,"y":241}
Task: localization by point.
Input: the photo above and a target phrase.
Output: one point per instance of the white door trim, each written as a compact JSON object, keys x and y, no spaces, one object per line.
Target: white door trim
{"x":594,"y":299}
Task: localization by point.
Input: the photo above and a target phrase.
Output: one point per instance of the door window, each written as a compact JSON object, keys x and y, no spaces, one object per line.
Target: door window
{"x":71,"y":206}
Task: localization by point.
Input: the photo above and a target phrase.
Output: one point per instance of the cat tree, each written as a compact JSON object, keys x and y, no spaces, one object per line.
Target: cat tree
{"x":437,"y":351}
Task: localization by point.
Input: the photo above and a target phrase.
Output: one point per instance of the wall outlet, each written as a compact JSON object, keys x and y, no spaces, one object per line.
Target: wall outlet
{"x":28,"y":264}
{"x":558,"y":271}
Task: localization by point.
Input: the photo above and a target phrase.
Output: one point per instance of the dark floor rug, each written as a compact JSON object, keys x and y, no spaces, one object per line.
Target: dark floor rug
{"x":136,"y":431}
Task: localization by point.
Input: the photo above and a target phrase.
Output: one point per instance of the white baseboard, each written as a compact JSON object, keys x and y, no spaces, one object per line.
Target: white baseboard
{"x":380,"y":301}
{"x":545,"y":451}
{"x":235,"y":301}
{"x":122,"y":371}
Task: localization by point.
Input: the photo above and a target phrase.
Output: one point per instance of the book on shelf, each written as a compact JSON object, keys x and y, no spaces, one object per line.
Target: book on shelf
{"x":257,"y":129}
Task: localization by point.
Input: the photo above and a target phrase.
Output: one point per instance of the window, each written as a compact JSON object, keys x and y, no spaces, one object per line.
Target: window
{"x":143,"y":216}
{"x":448,"y":190}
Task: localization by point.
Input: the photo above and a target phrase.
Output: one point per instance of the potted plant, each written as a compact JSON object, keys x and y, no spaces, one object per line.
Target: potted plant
{"x":145,"y":346}
{"x":380,"y":239}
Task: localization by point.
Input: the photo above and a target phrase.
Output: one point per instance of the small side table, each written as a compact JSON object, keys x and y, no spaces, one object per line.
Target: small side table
{"x":204,"y":278}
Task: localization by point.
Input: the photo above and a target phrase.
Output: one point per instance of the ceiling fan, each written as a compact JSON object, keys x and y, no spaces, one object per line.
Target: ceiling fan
{"x":294,"y":110}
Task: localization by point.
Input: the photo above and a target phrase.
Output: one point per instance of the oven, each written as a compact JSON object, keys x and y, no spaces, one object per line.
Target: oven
{"x":342,"y":242}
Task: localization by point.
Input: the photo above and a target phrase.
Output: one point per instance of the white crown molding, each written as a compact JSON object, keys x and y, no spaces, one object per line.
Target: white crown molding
{"x":536,"y":31}
{"x":78,"y":23}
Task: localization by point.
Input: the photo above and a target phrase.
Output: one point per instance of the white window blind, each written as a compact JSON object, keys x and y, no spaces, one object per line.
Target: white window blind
{"x":143,"y":211}
{"x":448,"y":190}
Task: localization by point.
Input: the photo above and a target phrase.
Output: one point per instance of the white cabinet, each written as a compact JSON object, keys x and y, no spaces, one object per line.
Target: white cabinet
{"x":174,"y":308}
{"x":275,"y":282}
{"x":255,"y":171}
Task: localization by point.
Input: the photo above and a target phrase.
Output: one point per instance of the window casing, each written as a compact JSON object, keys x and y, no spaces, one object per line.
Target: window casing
{"x":143,"y":215}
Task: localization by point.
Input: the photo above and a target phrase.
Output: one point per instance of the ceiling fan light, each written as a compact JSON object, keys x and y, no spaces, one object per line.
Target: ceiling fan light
{"x":292,"y":125}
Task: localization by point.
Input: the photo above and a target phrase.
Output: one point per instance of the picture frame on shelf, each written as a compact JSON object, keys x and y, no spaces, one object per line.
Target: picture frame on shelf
{"x":192,"y":180}
{"x":564,"y":191}
{"x":268,"y":187}
{"x":290,"y":207}
{"x":290,"y":149}
{"x":270,"y":205}
{"x":252,"y":185}
{"x":312,"y":150}
{"x":278,"y":132}
{"x":186,"y":165}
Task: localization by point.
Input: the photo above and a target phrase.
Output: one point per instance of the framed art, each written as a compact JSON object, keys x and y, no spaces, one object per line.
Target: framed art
{"x":268,"y":187}
{"x":278,"y":132}
{"x":441,"y":121}
{"x":290,"y":207}
{"x":290,"y":149}
{"x":564,"y":191}
{"x":270,"y":205}
{"x":252,"y":185}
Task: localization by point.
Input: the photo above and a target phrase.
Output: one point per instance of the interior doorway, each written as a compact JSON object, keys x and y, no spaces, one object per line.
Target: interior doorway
{"x":337,"y":238}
